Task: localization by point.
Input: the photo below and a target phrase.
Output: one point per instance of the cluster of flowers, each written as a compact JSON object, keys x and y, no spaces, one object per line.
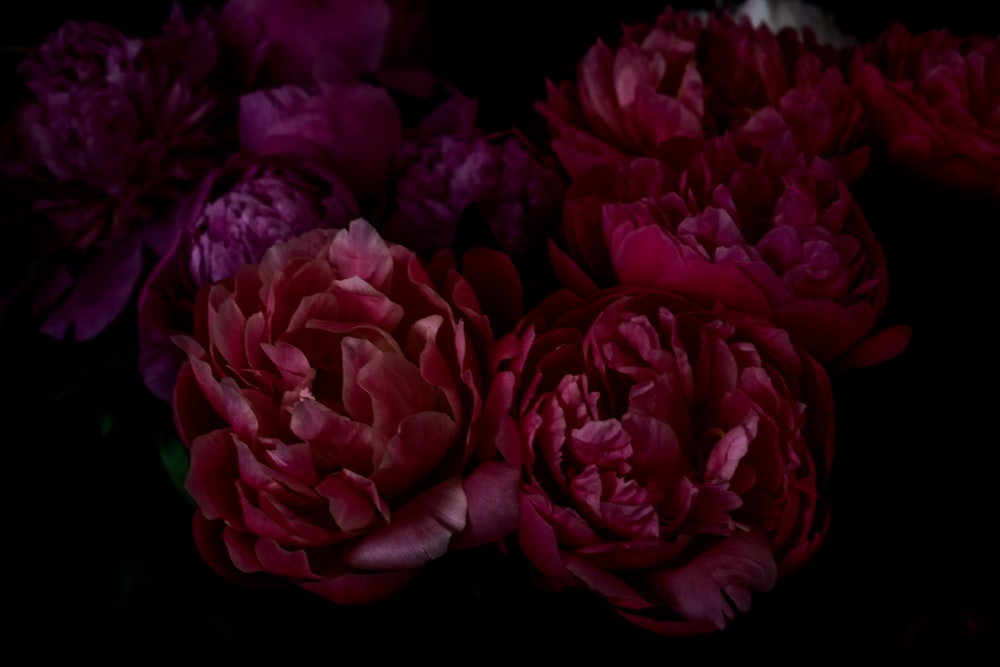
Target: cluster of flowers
{"x":388,"y":336}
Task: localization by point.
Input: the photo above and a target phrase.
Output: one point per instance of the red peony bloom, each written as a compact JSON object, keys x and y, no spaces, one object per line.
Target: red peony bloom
{"x":673,"y":457}
{"x":671,"y":84}
{"x":331,"y":401}
{"x":240,"y":210}
{"x":115,"y":132}
{"x":762,"y":231}
{"x":933,"y":100}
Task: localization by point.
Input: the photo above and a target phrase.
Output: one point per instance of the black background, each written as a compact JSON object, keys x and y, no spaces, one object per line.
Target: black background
{"x":99,"y":559}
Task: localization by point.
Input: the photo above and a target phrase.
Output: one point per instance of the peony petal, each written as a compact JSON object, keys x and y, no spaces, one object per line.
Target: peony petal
{"x":492,"y":491}
{"x":420,"y":444}
{"x":705,"y":589}
{"x":214,"y":457}
{"x":420,"y":531}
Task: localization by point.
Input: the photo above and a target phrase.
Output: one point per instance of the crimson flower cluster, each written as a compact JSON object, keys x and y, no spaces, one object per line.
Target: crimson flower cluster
{"x":387,"y":334}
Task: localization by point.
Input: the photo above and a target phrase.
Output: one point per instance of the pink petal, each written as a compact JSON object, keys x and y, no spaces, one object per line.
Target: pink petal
{"x":420,"y":444}
{"x":702,"y":588}
{"x":420,"y":531}
{"x":494,"y":500}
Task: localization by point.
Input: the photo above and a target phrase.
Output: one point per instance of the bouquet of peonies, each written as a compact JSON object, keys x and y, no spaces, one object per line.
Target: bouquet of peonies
{"x":405,"y":335}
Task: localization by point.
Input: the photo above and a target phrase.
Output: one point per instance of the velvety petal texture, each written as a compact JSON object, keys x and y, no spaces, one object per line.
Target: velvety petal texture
{"x":331,"y":400}
{"x":673,"y":457}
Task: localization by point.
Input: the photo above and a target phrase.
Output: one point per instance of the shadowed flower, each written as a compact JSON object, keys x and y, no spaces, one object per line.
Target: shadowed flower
{"x":116,"y":130}
{"x":451,"y":165}
{"x":670,"y":85}
{"x":933,"y":101}
{"x":279,"y":42}
{"x":673,"y":458}
{"x":354,"y":127}
{"x":331,"y":402}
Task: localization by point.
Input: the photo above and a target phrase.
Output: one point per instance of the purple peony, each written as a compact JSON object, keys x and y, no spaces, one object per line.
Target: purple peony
{"x":239,"y":211}
{"x":113,"y":133}
{"x":279,"y":42}
{"x":354,"y":127}
{"x":451,"y":165}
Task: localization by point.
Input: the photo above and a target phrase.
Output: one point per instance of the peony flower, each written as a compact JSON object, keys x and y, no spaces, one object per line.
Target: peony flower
{"x":673,"y":458}
{"x":933,"y":100}
{"x":354,"y":127}
{"x":280,"y":42}
{"x":642,"y":96}
{"x":670,"y":85}
{"x":115,"y":131}
{"x":451,"y":165}
{"x":331,"y":402}
{"x":770,"y":234}
{"x":240,"y":210}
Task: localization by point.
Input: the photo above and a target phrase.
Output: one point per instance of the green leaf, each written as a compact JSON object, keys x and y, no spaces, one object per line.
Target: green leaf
{"x":105,"y":423}
{"x":176,"y":461}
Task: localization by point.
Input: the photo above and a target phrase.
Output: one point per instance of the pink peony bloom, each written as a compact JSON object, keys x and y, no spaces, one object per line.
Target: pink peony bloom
{"x":114,"y":133}
{"x":933,"y":100}
{"x":673,"y":458}
{"x":771,"y":234}
{"x":331,"y":402}
{"x":354,"y":127}
{"x":670,"y":85}
{"x":451,"y":165}
{"x":240,"y":210}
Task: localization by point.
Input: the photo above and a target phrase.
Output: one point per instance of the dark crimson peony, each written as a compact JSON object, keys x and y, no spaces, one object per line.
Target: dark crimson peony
{"x":933,"y":100}
{"x":451,"y":165}
{"x":240,"y":210}
{"x":669,"y":85}
{"x":758,"y":230}
{"x":115,"y":131}
{"x":673,"y":457}
{"x":331,"y":401}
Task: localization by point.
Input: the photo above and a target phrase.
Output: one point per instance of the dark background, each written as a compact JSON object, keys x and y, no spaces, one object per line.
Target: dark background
{"x":99,"y":559}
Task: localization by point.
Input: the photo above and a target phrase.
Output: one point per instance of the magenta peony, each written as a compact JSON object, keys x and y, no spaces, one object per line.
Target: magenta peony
{"x":115,"y":131}
{"x":279,"y":42}
{"x":933,"y":100}
{"x":240,"y":210}
{"x":673,"y":458}
{"x":451,"y":165}
{"x":762,"y":231}
{"x":332,"y":402}
{"x":354,"y":127}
